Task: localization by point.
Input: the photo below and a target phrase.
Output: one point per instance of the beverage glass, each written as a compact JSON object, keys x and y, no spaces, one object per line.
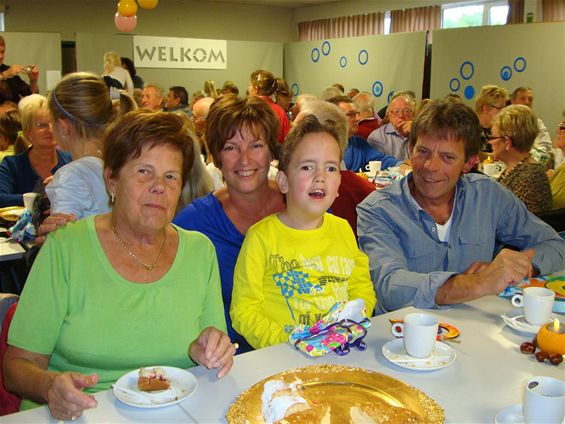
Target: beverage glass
{"x":419,"y":334}
{"x":29,"y":199}
{"x":544,"y":400}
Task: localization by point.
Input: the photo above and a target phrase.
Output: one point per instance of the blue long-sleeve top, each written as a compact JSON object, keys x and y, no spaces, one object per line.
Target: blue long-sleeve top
{"x":17,"y":177}
{"x":359,"y":153}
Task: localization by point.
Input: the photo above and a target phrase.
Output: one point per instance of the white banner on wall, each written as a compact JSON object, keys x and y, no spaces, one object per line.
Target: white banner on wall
{"x":172,"y":52}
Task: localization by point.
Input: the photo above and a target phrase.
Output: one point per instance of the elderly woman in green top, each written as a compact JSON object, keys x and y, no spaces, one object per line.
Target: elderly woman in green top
{"x":114,"y":292}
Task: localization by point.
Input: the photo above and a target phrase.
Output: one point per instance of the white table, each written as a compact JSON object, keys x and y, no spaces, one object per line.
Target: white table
{"x":10,"y":250}
{"x":487,"y":375}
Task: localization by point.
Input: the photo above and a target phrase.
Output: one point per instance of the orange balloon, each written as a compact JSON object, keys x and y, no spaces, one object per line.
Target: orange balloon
{"x":148,"y":4}
{"x":127,"y":8}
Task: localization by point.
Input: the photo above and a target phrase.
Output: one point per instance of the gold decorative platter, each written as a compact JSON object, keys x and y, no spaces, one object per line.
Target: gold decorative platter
{"x":338,"y":389}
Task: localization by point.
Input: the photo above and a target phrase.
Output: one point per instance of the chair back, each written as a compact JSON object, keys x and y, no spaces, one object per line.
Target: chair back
{"x":6,"y":300}
{"x":9,"y":402}
{"x":555,"y":218}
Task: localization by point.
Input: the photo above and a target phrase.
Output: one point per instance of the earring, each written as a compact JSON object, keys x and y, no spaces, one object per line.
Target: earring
{"x":507,"y":148}
{"x":112,"y":198}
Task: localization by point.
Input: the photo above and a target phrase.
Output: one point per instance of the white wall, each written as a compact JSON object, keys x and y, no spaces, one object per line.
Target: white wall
{"x":173,"y":18}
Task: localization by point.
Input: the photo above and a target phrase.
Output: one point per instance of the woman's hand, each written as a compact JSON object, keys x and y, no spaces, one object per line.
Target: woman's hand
{"x":65,"y":397}
{"x":213,"y":349}
{"x":51,"y":223}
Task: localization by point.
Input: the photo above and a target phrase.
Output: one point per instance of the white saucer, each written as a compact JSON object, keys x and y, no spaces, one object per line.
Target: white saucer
{"x":183,"y":384}
{"x":510,"y":415}
{"x":515,"y":319}
{"x":442,"y":356}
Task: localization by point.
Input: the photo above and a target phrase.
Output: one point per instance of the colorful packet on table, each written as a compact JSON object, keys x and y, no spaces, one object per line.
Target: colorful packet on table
{"x":344,"y":326}
{"x":551,"y":281}
{"x":23,"y":229}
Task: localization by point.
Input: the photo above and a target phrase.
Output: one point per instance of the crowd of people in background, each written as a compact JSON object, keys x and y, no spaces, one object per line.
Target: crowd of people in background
{"x":250,"y":186}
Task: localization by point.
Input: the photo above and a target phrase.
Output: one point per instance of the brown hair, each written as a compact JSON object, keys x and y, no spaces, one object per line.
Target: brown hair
{"x":229,"y":114}
{"x":264,"y":81}
{"x":308,"y":124}
{"x":126,"y":137}
{"x":10,"y":125}
{"x":446,"y":119}
{"x":519,"y":124}
{"x":82,"y":99}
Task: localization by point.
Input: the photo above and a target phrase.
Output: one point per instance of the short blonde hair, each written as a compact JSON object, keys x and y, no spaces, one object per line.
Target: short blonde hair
{"x":29,"y":106}
{"x":489,"y":95}
{"x":518,"y":123}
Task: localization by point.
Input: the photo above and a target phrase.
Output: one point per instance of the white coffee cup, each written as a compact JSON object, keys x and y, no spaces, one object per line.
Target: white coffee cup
{"x":491,"y":169}
{"x":29,"y":199}
{"x":374,"y":166}
{"x":544,"y":400}
{"x":538,"y":303}
{"x":420,"y":334}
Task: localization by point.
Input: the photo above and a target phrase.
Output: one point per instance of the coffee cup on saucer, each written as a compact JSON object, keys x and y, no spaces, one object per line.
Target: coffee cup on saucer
{"x":537,"y":303}
{"x":419,"y":333}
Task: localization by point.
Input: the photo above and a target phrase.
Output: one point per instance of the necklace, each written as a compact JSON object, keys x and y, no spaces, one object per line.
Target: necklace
{"x":148,"y":267}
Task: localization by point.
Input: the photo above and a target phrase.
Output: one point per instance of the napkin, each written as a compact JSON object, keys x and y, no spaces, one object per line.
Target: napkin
{"x":344,"y":326}
{"x":23,"y":229}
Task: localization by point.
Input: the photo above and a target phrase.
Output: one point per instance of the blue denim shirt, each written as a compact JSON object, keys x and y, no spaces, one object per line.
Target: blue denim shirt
{"x":408,"y":262}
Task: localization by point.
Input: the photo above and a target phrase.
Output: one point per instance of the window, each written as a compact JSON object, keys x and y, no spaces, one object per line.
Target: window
{"x":387,"y":22}
{"x":474,"y":14}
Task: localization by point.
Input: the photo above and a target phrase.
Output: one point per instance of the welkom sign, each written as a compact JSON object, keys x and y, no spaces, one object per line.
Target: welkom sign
{"x":170,"y":52}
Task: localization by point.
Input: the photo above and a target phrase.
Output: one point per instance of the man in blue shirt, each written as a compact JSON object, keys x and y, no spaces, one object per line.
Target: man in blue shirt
{"x":431,"y":239}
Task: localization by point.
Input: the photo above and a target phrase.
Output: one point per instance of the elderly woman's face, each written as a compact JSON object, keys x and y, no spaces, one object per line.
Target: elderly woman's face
{"x":147,"y":188}
{"x":245,"y":161}
{"x":40,"y":133}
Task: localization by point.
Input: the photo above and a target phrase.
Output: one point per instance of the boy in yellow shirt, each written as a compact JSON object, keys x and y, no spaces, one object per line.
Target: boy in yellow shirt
{"x":294,"y":266}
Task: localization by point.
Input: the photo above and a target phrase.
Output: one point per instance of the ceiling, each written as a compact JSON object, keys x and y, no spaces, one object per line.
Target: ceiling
{"x":291,"y":4}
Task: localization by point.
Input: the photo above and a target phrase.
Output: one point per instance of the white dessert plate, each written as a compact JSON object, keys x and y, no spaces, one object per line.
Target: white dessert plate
{"x":442,"y":356}
{"x":515,"y":319}
{"x":183,"y":384}
{"x":510,"y":415}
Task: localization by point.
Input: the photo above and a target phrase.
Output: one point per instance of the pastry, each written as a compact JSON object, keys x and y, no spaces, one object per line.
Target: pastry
{"x":151,"y":380}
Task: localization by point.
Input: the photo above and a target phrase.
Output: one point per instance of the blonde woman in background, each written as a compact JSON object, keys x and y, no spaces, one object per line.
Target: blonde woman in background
{"x":25,"y":172}
{"x":513,"y":133}
{"x":113,"y":69}
{"x":210,"y":89}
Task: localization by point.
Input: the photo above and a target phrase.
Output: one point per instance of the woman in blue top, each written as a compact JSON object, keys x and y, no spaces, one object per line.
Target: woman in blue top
{"x":241,"y":136}
{"x":25,"y":172}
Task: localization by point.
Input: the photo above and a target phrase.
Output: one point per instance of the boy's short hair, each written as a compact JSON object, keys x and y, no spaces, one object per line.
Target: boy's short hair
{"x":309,"y":124}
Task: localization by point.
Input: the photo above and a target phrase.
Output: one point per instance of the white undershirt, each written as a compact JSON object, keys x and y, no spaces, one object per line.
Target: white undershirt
{"x":443,"y":230}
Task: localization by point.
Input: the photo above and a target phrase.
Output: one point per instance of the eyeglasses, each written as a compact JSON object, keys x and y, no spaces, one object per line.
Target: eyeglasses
{"x":42,"y":125}
{"x":561,"y":127}
{"x":352,"y":114}
{"x":496,"y":107}
{"x":398,"y":112}
{"x":492,"y":138}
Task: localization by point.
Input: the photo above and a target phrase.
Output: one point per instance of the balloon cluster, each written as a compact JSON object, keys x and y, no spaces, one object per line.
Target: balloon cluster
{"x":126,"y":18}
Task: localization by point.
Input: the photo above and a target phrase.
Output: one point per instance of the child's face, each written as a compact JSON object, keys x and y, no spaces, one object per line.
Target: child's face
{"x":313,"y":176}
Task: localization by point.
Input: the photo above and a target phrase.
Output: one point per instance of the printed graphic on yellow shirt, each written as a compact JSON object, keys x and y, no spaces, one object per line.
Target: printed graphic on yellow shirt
{"x":310,"y":288}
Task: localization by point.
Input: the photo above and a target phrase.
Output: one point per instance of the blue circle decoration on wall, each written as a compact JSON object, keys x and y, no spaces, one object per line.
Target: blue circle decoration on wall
{"x":315,"y":55}
{"x":343,"y":61}
{"x":506,"y":73}
{"x":326,"y":48}
{"x":294,"y":89}
{"x":454,"y":84}
{"x":467,"y":70}
{"x":519,"y":64}
{"x":377,"y":89}
{"x":363,"y":57}
{"x":389,"y":97}
{"x":469,"y":92}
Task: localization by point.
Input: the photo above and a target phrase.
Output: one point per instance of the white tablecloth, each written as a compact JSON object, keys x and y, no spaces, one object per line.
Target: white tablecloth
{"x":487,"y":375}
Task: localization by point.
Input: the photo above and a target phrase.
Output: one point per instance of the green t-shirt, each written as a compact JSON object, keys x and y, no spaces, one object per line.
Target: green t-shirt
{"x":76,"y":308}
